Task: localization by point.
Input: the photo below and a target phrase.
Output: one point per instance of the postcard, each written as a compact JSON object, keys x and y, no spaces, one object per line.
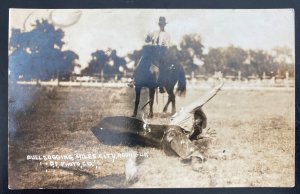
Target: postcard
{"x":151,"y":98}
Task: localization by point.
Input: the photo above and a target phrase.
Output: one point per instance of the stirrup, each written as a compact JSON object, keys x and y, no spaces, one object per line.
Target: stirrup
{"x":131,"y":84}
{"x":161,"y":90}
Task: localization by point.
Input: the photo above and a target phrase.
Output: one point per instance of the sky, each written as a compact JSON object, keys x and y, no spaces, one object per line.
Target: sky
{"x":88,"y":30}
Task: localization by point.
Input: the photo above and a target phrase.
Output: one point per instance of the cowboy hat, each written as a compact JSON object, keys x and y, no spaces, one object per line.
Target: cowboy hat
{"x":162,"y":20}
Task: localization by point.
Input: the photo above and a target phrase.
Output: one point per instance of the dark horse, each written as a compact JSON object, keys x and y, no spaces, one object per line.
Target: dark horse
{"x":146,"y":76}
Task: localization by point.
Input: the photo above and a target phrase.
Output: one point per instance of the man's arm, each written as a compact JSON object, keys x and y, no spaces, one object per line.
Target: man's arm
{"x":149,"y":37}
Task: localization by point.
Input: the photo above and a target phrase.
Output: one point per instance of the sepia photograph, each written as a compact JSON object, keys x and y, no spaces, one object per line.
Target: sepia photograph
{"x":151,"y":98}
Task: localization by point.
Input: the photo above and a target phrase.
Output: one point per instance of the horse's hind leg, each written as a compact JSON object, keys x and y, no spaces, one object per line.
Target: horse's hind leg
{"x":171,"y":98}
{"x":137,"y":100}
{"x":151,"y":97}
{"x":167,"y":104}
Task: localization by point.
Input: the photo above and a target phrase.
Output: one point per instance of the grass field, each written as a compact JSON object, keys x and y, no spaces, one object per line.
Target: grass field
{"x":254,"y":145}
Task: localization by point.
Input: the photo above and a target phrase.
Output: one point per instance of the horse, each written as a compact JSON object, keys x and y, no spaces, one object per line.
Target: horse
{"x":146,"y":76}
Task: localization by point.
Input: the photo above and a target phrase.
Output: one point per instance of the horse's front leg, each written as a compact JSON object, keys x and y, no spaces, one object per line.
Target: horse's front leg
{"x":151,"y":97}
{"x":171,"y":98}
{"x":137,"y":100}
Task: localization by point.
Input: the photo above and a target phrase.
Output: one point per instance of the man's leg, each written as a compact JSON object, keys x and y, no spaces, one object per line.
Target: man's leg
{"x":162,"y":70}
{"x":176,"y":142}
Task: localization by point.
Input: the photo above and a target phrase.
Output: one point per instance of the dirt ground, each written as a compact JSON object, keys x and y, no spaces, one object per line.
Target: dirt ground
{"x":254,"y":145}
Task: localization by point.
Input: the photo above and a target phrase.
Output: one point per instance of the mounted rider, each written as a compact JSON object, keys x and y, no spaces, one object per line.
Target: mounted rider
{"x":155,"y":52}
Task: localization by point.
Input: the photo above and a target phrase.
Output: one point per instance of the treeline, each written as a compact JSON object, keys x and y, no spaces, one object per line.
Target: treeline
{"x":105,"y":64}
{"x":231,"y":60}
{"x":38,"y":54}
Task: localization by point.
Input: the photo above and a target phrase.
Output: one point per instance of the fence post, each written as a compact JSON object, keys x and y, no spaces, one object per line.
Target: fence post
{"x":286,"y":80}
{"x":287,"y":75}
{"x":102,"y":75}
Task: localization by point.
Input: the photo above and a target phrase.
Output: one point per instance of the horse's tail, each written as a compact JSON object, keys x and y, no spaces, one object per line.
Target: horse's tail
{"x":181,"y":89}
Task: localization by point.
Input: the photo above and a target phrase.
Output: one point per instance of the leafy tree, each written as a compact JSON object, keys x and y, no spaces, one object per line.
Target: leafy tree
{"x":97,"y":64}
{"x":234,"y":59}
{"x":110,"y":64}
{"x":214,"y":61}
{"x":192,"y":43}
{"x":283,"y":59}
{"x":119,"y":63}
{"x":66,"y":66}
{"x":259,"y":62}
{"x":191,"y":48}
{"x":38,"y":54}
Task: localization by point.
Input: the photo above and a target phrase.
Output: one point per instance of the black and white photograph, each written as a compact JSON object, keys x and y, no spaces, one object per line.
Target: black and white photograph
{"x":151,"y":98}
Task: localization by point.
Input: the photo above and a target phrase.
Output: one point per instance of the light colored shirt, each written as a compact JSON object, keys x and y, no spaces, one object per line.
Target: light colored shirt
{"x":161,"y":38}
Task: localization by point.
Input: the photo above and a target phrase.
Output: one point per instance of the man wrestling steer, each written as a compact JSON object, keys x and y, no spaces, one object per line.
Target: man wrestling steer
{"x":177,"y":138}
